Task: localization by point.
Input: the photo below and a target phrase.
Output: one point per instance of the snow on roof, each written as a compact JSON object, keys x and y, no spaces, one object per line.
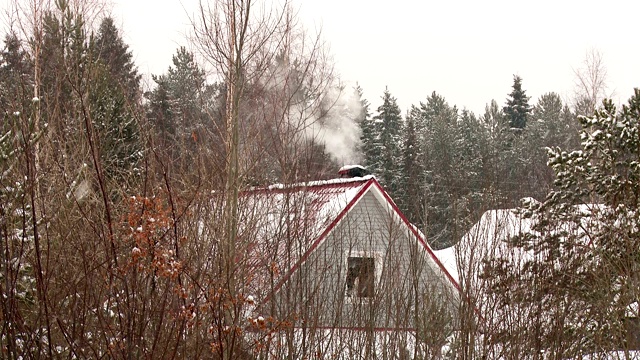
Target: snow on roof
{"x":305,"y":213}
{"x":311,"y":184}
{"x":488,"y":235}
{"x":444,"y":259}
{"x":448,"y":259}
{"x":349,"y":167}
{"x":317,"y":203}
{"x":286,"y":220}
{"x":487,"y":239}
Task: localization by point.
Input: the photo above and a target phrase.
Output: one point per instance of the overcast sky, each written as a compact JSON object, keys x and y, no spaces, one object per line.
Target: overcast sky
{"x":465,"y":50}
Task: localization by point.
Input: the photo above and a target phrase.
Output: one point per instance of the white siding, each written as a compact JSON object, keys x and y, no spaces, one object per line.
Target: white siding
{"x":406,"y":276}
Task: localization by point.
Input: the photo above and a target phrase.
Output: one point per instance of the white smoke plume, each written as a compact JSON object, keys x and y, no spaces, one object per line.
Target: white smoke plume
{"x":318,"y":108}
{"x":337,"y":125}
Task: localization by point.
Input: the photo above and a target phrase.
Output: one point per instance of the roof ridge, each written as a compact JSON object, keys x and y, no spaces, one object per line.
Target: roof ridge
{"x":314,"y":183}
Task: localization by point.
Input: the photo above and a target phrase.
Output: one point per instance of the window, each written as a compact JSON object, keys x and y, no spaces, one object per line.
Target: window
{"x":360,"y":277}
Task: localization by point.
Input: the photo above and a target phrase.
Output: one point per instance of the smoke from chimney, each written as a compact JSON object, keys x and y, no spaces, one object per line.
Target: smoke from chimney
{"x":338,"y":128}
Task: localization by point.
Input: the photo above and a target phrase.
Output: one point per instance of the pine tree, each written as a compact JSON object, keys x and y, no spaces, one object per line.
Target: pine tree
{"x":187,"y":84}
{"x":534,"y":176}
{"x":115,"y":120}
{"x":555,"y":124}
{"x":364,"y":103}
{"x":493,"y":120}
{"x":550,"y":127}
{"x":64,"y":51}
{"x":497,"y":135}
{"x":512,"y":182}
{"x":517,"y":109}
{"x":469,"y":160}
{"x":159,"y":110}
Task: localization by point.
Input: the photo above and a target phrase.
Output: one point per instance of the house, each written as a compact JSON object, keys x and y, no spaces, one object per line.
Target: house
{"x":339,"y":270}
{"x":511,"y":319}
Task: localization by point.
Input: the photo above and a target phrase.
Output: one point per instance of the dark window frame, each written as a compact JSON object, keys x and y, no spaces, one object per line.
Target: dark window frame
{"x":361,"y":277}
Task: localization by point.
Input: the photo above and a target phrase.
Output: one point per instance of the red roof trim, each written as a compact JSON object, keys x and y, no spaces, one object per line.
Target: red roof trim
{"x":357,"y":328}
{"x":351,"y":328}
{"x":417,"y":235}
{"x":320,"y":238}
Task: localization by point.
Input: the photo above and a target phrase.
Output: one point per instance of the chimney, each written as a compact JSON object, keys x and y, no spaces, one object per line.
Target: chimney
{"x":351,"y":171}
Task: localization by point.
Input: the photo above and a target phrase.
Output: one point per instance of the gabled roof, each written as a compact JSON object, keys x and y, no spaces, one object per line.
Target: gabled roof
{"x":488,"y":237}
{"x":317,"y":208}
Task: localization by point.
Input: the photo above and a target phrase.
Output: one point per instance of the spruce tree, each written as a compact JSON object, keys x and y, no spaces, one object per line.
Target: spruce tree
{"x":517,"y":108}
{"x":114,"y":99}
{"x":388,"y":124}
{"x":411,"y":199}
{"x":181,"y":109}
{"x":115,"y":55}
{"x":16,"y":75}
{"x":369,"y":136}
{"x":440,"y":122}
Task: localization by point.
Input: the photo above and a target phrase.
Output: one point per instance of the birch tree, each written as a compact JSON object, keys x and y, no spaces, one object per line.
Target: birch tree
{"x":591,"y":83}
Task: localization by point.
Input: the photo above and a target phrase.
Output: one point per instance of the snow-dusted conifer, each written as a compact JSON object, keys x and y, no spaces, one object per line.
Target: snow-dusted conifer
{"x":579,"y":281}
{"x":388,"y":124}
{"x":517,"y":108}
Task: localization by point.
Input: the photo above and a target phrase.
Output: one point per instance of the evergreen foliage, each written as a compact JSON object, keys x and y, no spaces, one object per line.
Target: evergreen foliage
{"x":366,"y":146}
{"x":370,"y":146}
{"x":183,"y":110}
{"x":455,"y":165}
{"x":388,"y":125}
{"x":19,"y":138}
{"x":411,"y":199}
{"x":440,"y":122}
{"x":115,"y":55}
{"x":16,"y":75}
{"x":115,"y":120}
{"x":65,"y":51}
{"x":517,"y":108}
{"x":82,"y":256}
{"x":584,"y":247}
{"x":114,"y":99}
{"x":441,"y":169}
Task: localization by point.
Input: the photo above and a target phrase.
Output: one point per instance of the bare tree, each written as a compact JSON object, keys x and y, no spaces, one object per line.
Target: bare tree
{"x":275,"y":79}
{"x":590,"y":83}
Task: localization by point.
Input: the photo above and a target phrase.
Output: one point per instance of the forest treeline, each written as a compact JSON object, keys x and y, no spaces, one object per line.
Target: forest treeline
{"x":442,"y":165}
{"x":104,"y":183}
{"x":445,"y":166}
